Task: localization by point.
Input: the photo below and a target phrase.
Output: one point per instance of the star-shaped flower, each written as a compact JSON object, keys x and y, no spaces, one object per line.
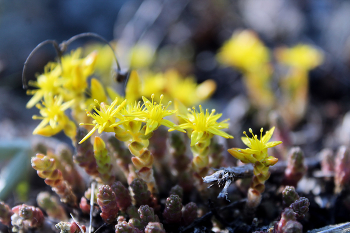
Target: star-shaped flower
{"x":53,"y":117}
{"x":257,"y":150}
{"x":203,"y":125}
{"x":105,"y":118}
{"x":153,"y":115}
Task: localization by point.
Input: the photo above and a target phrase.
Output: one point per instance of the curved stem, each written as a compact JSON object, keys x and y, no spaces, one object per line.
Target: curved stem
{"x":58,"y":51}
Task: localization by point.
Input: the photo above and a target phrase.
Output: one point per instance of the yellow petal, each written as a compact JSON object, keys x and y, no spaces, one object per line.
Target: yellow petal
{"x":43,"y":123}
{"x":88,"y":135}
{"x":171,"y":125}
{"x":35,"y":99}
{"x":70,"y":129}
{"x":272,"y":144}
{"x":239,"y":154}
{"x":180,"y":107}
{"x":194,"y":136}
{"x":246,"y":141}
{"x":267,"y":135}
{"x":151,"y":126}
{"x":47,"y":131}
{"x":132,"y":91}
{"x":97,"y":91}
{"x":112,"y":94}
{"x":219,"y":132}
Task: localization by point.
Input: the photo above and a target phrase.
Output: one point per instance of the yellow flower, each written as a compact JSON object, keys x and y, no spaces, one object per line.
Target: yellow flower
{"x":152,"y":114}
{"x":257,"y":150}
{"x":244,"y":50}
{"x":76,"y":70}
{"x":187,"y":90}
{"x":130,"y":129}
{"x":105,"y":118}
{"x":174,"y":86}
{"x":300,"y":56}
{"x":204,"y":125}
{"x":53,"y":117}
{"x":48,"y":82}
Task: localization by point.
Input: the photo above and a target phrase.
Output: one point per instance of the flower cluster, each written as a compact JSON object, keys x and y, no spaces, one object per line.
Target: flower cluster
{"x":248,"y":54}
{"x":144,"y":111}
{"x":62,"y":86}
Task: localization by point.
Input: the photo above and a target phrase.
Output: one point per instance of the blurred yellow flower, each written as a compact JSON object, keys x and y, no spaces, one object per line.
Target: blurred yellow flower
{"x":53,"y":117}
{"x":187,"y":90}
{"x":294,"y":85}
{"x":244,"y":51}
{"x":301,"y":56}
{"x":48,"y":82}
{"x":75,"y":71}
{"x":174,"y":86}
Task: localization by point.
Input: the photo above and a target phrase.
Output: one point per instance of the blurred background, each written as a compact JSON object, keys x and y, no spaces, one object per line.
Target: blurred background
{"x":192,"y":31}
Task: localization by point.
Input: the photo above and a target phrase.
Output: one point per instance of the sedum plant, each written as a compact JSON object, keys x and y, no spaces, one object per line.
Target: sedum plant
{"x":257,"y":154}
{"x":201,"y":126}
{"x":66,"y":87}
